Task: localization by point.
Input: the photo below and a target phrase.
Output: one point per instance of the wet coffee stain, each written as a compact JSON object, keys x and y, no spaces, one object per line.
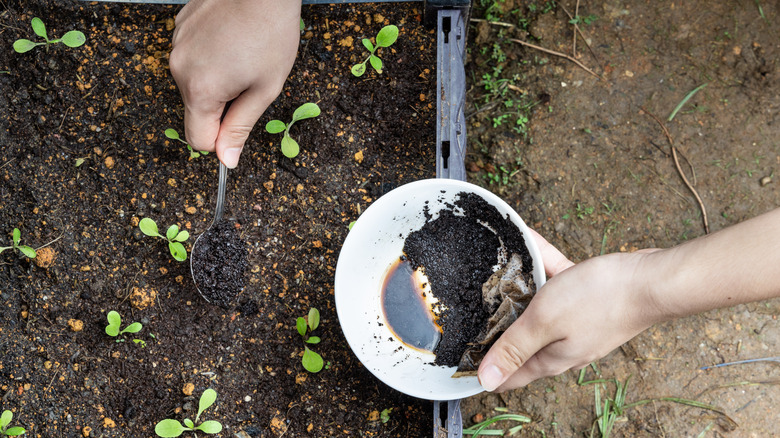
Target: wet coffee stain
{"x":408,"y":306}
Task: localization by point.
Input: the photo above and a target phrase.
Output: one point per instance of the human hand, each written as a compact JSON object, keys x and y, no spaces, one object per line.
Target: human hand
{"x":241,"y":52}
{"x":581,"y":314}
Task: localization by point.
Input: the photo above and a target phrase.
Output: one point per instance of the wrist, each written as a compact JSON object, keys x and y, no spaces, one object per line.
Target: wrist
{"x":654,"y":283}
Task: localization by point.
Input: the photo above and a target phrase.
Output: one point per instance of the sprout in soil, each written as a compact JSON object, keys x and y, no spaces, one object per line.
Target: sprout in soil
{"x":74,"y":38}
{"x":385,"y":38}
{"x":24,"y":249}
{"x":385,"y":415}
{"x":290,"y":147}
{"x":174,"y":135}
{"x":115,"y":324}
{"x":172,"y":428}
{"x":311,"y":360}
{"x":5,"y":421}
{"x":173,"y":236}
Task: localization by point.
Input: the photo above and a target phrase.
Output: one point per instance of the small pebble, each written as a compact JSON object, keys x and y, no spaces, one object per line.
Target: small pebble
{"x":765,"y":180}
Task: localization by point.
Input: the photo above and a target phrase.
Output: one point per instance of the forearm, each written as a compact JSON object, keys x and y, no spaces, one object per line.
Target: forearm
{"x":736,"y":265}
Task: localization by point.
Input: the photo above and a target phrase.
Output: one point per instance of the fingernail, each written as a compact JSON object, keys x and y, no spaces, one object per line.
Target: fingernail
{"x":230,"y":157}
{"x":491,"y":378}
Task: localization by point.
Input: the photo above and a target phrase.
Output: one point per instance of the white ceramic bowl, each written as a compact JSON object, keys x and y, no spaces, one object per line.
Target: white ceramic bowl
{"x":374,"y":243}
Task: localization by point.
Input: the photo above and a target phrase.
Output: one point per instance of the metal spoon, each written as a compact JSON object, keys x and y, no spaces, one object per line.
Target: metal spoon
{"x":217,"y":218}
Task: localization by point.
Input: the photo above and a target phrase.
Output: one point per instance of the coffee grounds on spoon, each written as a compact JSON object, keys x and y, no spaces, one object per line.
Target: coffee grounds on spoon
{"x":219,"y":260}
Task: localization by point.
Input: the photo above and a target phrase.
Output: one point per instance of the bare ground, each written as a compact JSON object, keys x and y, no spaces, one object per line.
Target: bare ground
{"x":595,"y":175}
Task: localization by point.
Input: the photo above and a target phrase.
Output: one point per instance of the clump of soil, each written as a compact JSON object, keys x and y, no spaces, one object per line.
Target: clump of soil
{"x":218,"y":264}
{"x":458,"y":253}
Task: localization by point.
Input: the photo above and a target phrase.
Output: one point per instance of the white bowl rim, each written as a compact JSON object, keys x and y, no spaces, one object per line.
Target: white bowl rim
{"x":354,"y":327}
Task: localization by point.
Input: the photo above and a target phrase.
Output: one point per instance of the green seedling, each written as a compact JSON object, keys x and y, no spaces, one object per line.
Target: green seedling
{"x":172,"y":428}
{"x":115,"y":324}
{"x":385,"y":38}
{"x":290,"y":147}
{"x":481,"y":428}
{"x":174,"y":236}
{"x":311,"y":361}
{"x":385,"y":415}
{"x":5,"y":421}
{"x":73,"y":38}
{"x":174,"y":135}
{"x":24,"y":249}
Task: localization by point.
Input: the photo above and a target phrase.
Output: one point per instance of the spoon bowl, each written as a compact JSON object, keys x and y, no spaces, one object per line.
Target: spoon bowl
{"x":217,"y":218}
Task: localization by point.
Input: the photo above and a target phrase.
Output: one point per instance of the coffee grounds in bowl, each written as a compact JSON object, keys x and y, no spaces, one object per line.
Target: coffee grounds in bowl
{"x":458,"y":254}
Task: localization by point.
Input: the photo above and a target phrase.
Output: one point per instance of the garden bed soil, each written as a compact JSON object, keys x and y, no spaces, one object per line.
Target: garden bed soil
{"x":85,"y":158}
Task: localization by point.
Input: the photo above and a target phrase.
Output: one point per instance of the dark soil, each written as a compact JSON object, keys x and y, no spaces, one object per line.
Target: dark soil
{"x":108,"y":103}
{"x":219,"y":264}
{"x":457,"y":253}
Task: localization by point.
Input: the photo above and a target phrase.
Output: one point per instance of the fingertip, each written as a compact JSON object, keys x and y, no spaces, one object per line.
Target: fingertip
{"x":229,"y":156}
{"x":490,"y":377}
{"x":554,"y":261}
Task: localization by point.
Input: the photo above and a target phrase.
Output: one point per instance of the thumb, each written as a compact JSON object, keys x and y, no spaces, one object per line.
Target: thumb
{"x":237,"y":124}
{"x":554,"y":261}
{"x":521,"y":341}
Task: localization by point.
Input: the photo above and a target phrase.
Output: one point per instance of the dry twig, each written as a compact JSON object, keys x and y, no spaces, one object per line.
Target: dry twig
{"x":542,"y":49}
{"x":582,"y":35}
{"x":562,"y":55}
{"x":679,"y":170}
{"x":576,"y":29}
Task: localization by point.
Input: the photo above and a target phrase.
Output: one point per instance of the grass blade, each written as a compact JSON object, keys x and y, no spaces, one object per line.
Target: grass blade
{"x":684,"y":101}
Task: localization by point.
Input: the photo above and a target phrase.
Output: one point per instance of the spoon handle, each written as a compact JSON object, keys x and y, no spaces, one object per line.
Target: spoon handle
{"x":220,"y":193}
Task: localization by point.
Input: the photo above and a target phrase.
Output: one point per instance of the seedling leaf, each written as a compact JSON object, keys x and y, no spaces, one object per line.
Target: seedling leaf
{"x":385,"y":415}
{"x":312,"y":361}
{"x":6,"y":418}
{"x":17,"y":236}
{"x":306,"y":111}
{"x":189,"y":423}
{"x":182,"y":236}
{"x":22,"y":45}
{"x":210,"y":426}
{"x":387,"y":36}
{"x":300,"y":324}
{"x":79,"y":161}
{"x":15,"y":431}
{"x":133,"y":328}
{"x":114,"y":321}
{"x":275,"y":126}
{"x":290,"y":147}
{"x":367,"y":44}
{"x":39,"y":28}
{"x":207,"y":399}
{"x":359,"y":69}
{"x":177,"y":251}
{"x":149,"y":227}
{"x":172,"y":134}
{"x":172,"y":232}
{"x":376,"y":63}
{"x":168,"y":428}
{"x":27,"y":251}
{"x":74,"y":38}
{"x":314,"y":318}
{"x":313,"y":340}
